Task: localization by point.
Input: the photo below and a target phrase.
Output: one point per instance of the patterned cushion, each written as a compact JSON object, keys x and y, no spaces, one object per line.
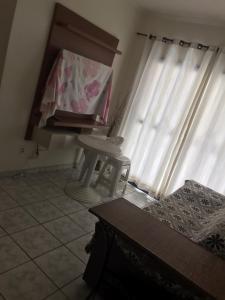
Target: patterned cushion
{"x":212,"y":234}
{"x":187,"y":209}
{"x":206,"y":196}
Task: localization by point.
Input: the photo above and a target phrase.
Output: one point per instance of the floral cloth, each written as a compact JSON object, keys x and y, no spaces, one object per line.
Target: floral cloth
{"x":79,"y":85}
{"x":197,"y":212}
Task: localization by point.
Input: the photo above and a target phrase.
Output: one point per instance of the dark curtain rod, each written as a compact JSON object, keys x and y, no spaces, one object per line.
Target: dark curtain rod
{"x":170,"y":41}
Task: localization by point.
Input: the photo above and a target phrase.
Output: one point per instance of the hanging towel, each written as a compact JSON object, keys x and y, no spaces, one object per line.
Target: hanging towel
{"x":79,"y":85}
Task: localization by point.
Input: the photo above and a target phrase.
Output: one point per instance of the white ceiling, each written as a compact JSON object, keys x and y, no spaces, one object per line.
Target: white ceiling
{"x":206,"y":11}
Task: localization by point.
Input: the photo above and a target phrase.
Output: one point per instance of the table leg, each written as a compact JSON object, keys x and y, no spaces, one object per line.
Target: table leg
{"x":91,"y":168}
{"x":86,"y":163}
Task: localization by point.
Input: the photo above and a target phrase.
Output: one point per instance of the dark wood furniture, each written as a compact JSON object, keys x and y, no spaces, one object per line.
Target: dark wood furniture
{"x":171,"y":253}
{"x":76,"y":34}
{"x":77,"y":123}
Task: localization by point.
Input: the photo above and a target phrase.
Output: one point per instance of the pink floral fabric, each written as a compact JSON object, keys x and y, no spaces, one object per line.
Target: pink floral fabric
{"x":77,"y":84}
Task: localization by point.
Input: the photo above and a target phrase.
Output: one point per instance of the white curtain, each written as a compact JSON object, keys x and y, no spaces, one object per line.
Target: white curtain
{"x":203,"y":154}
{"x":159,"y":110}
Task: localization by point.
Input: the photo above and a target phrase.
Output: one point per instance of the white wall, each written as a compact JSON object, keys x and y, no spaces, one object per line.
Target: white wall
{"x":173,"y":27}
{"x":7,"y":8}
{"x":25,"y":51}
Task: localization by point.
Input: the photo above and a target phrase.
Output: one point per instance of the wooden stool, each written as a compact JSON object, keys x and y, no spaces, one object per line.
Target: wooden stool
{"x":116,"y":166}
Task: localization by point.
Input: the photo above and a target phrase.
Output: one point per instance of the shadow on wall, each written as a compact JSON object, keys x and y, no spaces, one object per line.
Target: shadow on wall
{"x":24,"y":55}
{"x":7,"y":10}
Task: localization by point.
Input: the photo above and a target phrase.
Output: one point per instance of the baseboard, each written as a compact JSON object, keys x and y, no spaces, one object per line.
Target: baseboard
{"x":23,"y":172}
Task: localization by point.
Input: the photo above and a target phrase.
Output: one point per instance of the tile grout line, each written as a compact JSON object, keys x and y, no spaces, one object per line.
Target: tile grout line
{"x":50,"y":197}
{"x":62,"y":244}
{"x":75,"y":255}
{"x":54,"y":219}
{"x":84,"y":262}
{"x":61,"y":288}
{"x":17,"y":266}
{"x":42,"y":224}
{"x":2,"y":296}
{"x":33,"y":258}
{"x":33,"y":261}
{"x":45,"y":222}
{"x":62,"y":189}
{"x":46,"y":229}
{"x":50,"y":279}
{"x":58,"y":288}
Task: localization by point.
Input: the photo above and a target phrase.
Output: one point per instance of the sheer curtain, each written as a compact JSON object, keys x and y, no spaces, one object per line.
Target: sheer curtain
{"x":159,"y":110}
{"x":203,"y":154}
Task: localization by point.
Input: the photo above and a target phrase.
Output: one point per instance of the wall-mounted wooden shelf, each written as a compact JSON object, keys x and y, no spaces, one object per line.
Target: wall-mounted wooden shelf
{"x":76,"y":34}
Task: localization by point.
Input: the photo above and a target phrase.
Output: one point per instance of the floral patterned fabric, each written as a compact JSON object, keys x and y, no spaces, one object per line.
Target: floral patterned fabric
{"x":212,"y":234}
{"x":79,"y":85}
{"x":197,"y":212}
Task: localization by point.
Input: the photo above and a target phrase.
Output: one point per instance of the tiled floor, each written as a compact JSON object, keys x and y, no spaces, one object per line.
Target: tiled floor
{"x":43,"y":233}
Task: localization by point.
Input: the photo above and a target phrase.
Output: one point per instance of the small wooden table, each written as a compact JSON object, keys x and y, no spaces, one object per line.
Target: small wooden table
{"x":196,"y":266}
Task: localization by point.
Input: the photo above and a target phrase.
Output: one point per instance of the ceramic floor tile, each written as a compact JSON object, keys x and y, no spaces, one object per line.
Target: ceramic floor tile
{"x":12,"y":182}
{"x":61,"y":177}
{"x":6,"y":202}
{"x":26,"y":282}
{"x":61,"y":266}
{"x":88,"y":196}
{"x":10,"y":254}
{"x":60,"y":182}
{"x":16,"y":189}
{"x":27,"y":198}
{"x":102,"y":190}
{"x":130,"y":188}
{"x":48,"y":190}
{"x":16,"y":219}
{"x":37,"y":179}
{"x":57,"y":296}
{"x":43,"y":211}
{"x":78,"y":247}
{"x":64,"y":229}
{"x":85,"y":220}
{"x":25,"y":195}
{"x":66,"y":204}
{"x":77,"y":290}
{"x":139,"y":199}
{"x":35,"y":183}
{"x":119,"y":191}
{"x":5,"y":181}
{"x":36,"y":241}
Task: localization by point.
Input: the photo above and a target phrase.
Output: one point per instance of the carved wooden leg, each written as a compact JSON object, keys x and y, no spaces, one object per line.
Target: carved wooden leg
{"x":99,"y":253}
